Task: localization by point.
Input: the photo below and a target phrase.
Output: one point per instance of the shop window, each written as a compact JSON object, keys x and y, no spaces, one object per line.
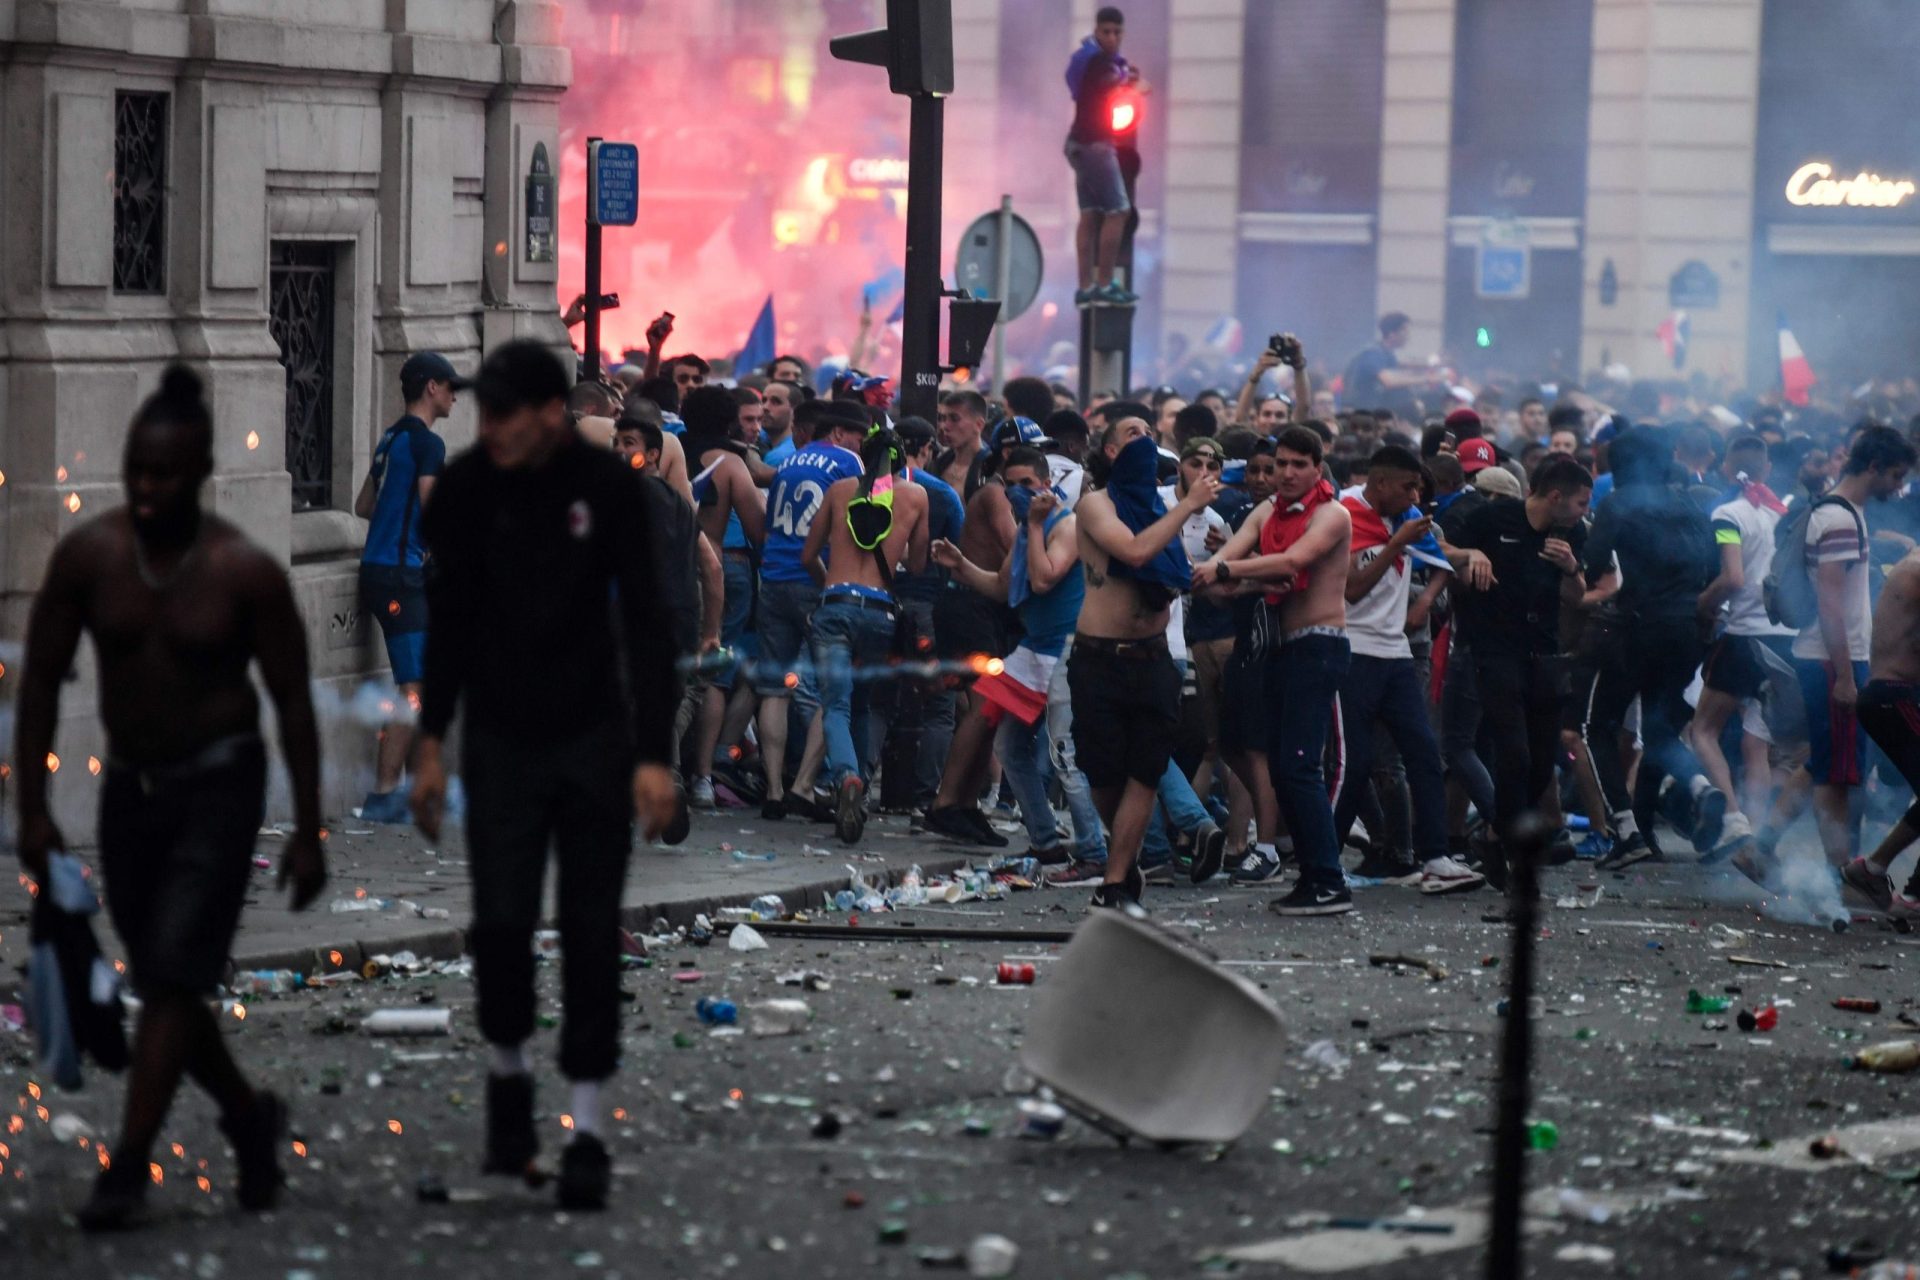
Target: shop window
{"x":1310,"y":106}
{"x":140,"y":193}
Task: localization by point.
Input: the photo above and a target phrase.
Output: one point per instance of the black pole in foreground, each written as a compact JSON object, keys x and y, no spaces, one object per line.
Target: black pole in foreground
{"x":1504,"y":1261}
{"x":920,"y":313}
{"x":592,"y":338}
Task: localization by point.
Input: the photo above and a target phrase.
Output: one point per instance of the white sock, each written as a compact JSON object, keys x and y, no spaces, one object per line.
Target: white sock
{"x":586,"y":1106}
{"x":1698,"y":785}
{"x":510,"y":1060}
{"x":1624,"y":826}
{"x":1266,"y":851}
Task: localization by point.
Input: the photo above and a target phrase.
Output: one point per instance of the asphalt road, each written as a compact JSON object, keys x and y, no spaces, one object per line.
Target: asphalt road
{"x":721,"y":1171}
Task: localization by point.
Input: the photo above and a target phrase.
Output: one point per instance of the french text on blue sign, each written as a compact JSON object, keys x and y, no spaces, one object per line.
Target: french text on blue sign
{"x":614,"y":171}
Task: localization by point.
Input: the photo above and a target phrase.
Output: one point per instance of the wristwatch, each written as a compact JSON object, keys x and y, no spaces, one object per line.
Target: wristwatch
{"x":1225,"y":572}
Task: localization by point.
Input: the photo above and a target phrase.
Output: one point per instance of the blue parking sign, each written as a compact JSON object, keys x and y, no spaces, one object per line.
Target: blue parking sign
{"x":1503,"y":264}
{"x":613,"y":184}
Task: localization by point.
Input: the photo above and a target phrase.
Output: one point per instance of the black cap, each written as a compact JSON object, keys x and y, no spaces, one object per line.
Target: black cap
{"x":845,"y":415}
{"x":517,"y":374}
{"x":423,"y":367}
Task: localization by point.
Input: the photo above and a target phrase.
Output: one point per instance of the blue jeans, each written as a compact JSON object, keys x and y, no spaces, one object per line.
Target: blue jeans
{"x":736,"y":611}
{"x":848,"y":641}
{"x":1018,"y":746}
{"x":1176,"y":801}
{"x":1389,"y":690}
{"x":782,"y":617}
{"x":1302,"y":677}
{"x":1089,"y":837}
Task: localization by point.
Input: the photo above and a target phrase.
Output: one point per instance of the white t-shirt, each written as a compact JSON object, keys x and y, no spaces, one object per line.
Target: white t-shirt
{"x":1068,"y":476}
{"x":1377,"y":621}
{"x":1193,"y":539}
{"x":1833,"y":537}
{"x":1740,"y":523}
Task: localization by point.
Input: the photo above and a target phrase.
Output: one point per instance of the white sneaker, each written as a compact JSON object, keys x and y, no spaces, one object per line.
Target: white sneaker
{"x":701,"y":795}
{"x":1449,"y":875}
{"x":1733,"y":830}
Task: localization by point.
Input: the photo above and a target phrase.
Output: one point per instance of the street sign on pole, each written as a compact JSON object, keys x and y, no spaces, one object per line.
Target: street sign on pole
{"x":1503,"y":265}
{"x":613,"y":184}
{"x":975,"y":266}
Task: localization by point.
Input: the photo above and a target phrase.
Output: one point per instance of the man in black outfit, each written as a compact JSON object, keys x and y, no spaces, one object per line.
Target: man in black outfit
{"x":1512,"y":629}
{"x":538,"y":539}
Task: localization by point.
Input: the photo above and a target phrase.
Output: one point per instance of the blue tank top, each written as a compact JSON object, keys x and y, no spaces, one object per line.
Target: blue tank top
{"x":1050,"y":618}
{"x":798,"y":492}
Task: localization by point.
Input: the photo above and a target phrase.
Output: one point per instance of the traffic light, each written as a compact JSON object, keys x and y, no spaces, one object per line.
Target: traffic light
{"x":916,"y":46}
{"x":1482,"y":337}
{"x":1126,"y":112}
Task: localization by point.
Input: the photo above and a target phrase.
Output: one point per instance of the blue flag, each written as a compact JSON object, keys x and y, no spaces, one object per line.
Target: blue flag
{"x":759,"y":350}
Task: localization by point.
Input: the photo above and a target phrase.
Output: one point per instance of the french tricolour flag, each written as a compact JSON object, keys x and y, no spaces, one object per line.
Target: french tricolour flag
{"x":1796,"y":375}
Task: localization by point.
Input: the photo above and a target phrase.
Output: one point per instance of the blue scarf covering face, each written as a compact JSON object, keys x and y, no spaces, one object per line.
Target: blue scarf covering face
{"x":1132,"y":487}
{"x":1020,"y":498}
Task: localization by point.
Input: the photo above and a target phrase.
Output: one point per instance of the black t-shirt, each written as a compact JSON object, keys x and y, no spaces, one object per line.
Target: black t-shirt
{"x":675,"y":530}
{"x":1092,"y":105}
{"x":1520,"y":615}
{"x":1665,"y":548}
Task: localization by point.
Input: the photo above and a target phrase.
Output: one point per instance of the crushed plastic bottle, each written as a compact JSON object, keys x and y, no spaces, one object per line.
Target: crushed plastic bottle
{"x":910,"y":892}
{"x":341,"y":906}
{"x":778,"y":1017}
{"x":409,"y":1022}
{"x":1890,"y":1057}
{"x":1575,"y":1203}
{"x":1697,"y":1003}
{"x":741,"y":855}
{"x":768,"y":906}
{"x":992,"y":1256}
{"x":264,"y":982}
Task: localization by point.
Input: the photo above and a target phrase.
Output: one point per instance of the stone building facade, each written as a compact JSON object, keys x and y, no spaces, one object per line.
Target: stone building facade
{"x":291,"y":197}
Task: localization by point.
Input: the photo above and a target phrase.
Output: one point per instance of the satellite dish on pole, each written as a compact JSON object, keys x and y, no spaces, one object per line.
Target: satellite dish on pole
{"x":975,"y":263}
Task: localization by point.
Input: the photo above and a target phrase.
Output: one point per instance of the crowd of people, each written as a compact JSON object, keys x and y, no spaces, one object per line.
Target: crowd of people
{"x":1243,"y":634}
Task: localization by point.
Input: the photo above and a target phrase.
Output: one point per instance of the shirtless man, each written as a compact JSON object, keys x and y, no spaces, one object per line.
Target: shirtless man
{"x":1889,"y":708}
{"x":733,"y":516}
{"x":853,"y":626}
{"x":1302,"y":535}
{"x":178,"y":603}
{"x":963,"y":421}
{"x":1124,"y":684}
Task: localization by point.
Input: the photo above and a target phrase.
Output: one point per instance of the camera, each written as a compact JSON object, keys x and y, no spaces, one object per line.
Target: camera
{"x":1286,"y":348}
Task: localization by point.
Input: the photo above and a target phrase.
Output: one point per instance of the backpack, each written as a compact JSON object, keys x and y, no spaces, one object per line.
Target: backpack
{"x":1788,"y":590}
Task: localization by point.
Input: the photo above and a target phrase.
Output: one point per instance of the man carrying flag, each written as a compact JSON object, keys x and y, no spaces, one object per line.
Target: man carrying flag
{"x":1382,"y":683}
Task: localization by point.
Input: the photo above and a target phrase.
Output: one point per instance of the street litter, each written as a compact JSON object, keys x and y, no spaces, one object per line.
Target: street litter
{"x":1857,"y":1004}
{"x":362,"y":901}
{"x":1891,"y":1057}
{"x":1432,"y":968}
{"x":1586,"y":900}
{"x":992,"y":1256}
{"x":1756,"y":962}
{"x":1041,"y":1120}
{"x":409,"y":1022}
{"x":1325,"y":1055}
{"x":807,"y":979}
{"x":778,"y":1017}
{"x":745,"y":938}
{"x":1584,"y":1253}
{"x":1667,"y":1124}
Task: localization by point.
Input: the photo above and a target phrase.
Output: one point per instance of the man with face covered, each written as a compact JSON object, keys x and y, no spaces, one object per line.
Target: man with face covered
{"x":178,"y":604}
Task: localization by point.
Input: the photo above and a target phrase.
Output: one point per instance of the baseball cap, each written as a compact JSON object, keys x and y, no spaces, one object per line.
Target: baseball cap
{"x":1496,"y":482}
{"x":1198,"y":443}
{"x":1475,"y":455}
{"x":431,"y":366}
{"x":1012,"y":431}
{"x":841,"y":415}
{"x":1466,"y":418}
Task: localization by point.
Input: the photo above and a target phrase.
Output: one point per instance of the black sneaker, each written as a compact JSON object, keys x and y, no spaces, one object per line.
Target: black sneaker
{"x":1057,"y":855}
{"x":1710,"y":819}
{"x":675,"y":832}
{"x":1112,"y":897}
{"x":1158,"y":873}
{"x":1075,"y":874}
{"x":917,"y":823}
{"x":1626,"y":852}
{"x":1312,"y":900}
{"x":1376,"y":865}
{"x":1209,"y":852}
{"x":1255,"y":868}
{"x":1561,"y":851}
{"x":511,"y":1143}
{"x":774,"y":810}
{"x":850,"y":809}
{"x":951,"y":823}
{"x":256,"y":1139}
{"x":1135,"y":885}
{"x":119,"y":1199}
{"x":586,"y":1173}
{"x":983,"y":831}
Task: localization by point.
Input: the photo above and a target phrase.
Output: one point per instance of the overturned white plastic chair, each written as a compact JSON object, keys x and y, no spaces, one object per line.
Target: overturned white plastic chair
{"x":1143,"y":1034}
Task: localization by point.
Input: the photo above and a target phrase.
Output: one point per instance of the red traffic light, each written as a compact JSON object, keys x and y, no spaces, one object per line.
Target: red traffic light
{"x":1126,"y":112}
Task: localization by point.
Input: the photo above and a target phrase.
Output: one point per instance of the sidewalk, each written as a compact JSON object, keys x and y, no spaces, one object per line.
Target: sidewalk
{"x":395,"y":862}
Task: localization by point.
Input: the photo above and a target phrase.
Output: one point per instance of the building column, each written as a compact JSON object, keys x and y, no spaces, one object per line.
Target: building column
{"x":1198,"y":226}
{"x":1416,"y":136}
{"x":1670,"y":176}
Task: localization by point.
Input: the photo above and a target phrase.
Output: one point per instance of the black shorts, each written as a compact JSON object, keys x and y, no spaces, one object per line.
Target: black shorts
{"x":1126,"y":712}
{"x":176,"y":845}
{"x":1890,"y":713}
{"x":966,"y":622}
{"x":1243,"y":703}
{"x":1734,"y":666}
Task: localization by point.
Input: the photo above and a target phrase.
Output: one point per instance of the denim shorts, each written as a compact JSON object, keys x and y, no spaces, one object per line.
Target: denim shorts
{"x":396,"y":596}
{"x":736,"y":611}
{"x":1096,"y":177}
{"x":783,"y":615}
